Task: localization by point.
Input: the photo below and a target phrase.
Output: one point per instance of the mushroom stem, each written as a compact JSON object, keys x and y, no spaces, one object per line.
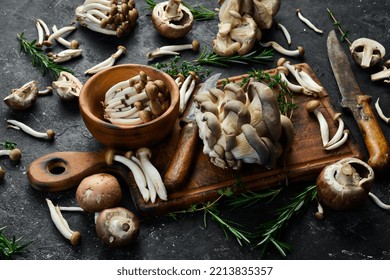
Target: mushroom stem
{"x":71,"y":208}
{"x":45,"y":28}
{"x":14,"y":154}
{"x":299,"y":52}
{"x":46,"y":91}
{"x":65,"y":55}
{"x":380,"y":112}
{"x":62,"y":225}
{"x":74,"y":44}
{"x":57,"y":34}
{"x":106,"y":63}
{"x":339,"y":132}
{"x":378,"y":202}
{"x":40,"y":31}
{"x":312,"y":107}
{"x":320,"y":212}
{"x":49,"y":134}
{"x":173,"y":49}
{"x":384,"y":74}
{"x":339,"y":143}
{"x":285,"y":33}
{"x":308,"y":22}
{"x":183,"y":89}
{"x":283,"y":71}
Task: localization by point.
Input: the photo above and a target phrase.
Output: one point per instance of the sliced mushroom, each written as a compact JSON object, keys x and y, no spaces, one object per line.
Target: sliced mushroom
{"x":23,"y":97}
{"x":384,"y":74}
{"x":367,"y":52}
{"x":172,"y":19}
{"x":67,"y":86}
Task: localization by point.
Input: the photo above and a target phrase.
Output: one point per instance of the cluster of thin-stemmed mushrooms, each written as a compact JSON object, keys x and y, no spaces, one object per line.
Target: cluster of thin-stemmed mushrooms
{"x":136,"y":100}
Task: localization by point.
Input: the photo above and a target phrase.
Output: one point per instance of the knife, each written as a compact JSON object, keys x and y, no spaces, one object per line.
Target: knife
{"x":359,"y":104}
{"x":181,"y":161}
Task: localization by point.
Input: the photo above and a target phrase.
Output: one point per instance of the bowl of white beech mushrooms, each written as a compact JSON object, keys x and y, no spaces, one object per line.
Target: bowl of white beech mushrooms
{"x":129,"y":106}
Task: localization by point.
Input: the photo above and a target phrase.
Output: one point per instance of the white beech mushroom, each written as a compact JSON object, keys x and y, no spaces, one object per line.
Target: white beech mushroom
{"x":48,"y":135}
{"x":60,"y":32}
{"x":173,"y":49}
{"x":308,"y":22}
{"x":283,"y":72}
{"x":14,"y":154}
{"x":117,"y":227}
{"x":172,"y":19}
{"x":67,"y":86}
{"x":312,"y":107}
{"x":74,"y":44}
{"x":384,"y":74}
{"x":380,"y":112}
{"x":62,"y":225}
{"x":64,"y":55}
{"x":115,"y":18}
{"x":144,"y":154}
{"x":339,"y":143}
{"x":98,"y":192}
{"x":106,"y":63}
{"x":23,"y":97}
{"x":340,"y":130}
{"x":285,"y":33}
{"x":299,"y":52}
{"x":41,"y":35}
{"x":46,"y":29}
{"x":137,"y":172}
{"x":367,"y":52}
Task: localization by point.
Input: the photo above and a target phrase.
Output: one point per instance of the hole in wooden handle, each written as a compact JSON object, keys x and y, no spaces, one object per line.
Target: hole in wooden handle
{"x":56,"y":166}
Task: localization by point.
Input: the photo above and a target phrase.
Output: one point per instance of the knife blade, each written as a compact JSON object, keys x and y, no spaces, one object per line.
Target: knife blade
{"x":358,"y":104}
{"x":181,"y":161}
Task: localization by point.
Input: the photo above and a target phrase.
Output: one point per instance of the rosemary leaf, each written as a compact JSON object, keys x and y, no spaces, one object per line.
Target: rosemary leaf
{"x":250,"y":198}
{"x":337,"y":24}
{"x":173,"y":68}
{"x":8,"y":248}
{"x":8,"y":145}
{"x":38,"y":58}
{"x":224,"y":61}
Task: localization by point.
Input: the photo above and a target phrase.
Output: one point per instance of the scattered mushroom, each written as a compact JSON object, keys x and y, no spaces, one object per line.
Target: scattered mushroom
{"x":46,"y":29}
{"x":64,"y":55}
{"x":14,"y":154}
{"x":299,"y":52}
{"x":48,"y":135}
{"x":384,"y":74}
{"x":41,"y":35}
{"x":117,"y":227}
{"x":98,"y":192}
{"x":23,"y":97}
{"x":57,"y":34}
{"x":173,"y":49}
{"x":312,"y":107}
{"x":74,"y":44}
{"x":340,"y":129}
{"x":62,"y":225}
{"x":308,"y":22}
{"x":367,"y":52}
{"x":108,"y":17}
{"x":106,"y":63}
{"x":172,"y":19}
{"x":285,"y":33}
{"x":67,"y":86}
{"x":380,"y":112}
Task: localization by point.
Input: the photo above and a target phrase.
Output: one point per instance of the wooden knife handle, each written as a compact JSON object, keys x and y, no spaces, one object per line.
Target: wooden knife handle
{"x":182,"y":159}
{"x":373,"y":136}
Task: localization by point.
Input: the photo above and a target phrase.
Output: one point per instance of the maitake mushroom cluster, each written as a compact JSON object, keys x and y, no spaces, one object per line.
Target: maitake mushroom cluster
{"x":242,"y":125}
{"x":240,"y":24}
{"x":111,"y":17}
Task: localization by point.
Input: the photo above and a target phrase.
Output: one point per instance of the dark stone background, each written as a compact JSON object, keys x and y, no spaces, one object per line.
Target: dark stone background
{"x":358,"y":234}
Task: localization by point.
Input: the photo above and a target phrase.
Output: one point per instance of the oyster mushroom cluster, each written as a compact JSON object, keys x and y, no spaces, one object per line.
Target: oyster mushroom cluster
{"x":111,"y":17}
{"x":241,"y":23}
{"x":242,"y":125}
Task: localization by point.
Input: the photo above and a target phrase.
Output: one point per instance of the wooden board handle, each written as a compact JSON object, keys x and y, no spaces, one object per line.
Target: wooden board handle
{"x":181,"y":161}
{"x":64,"y":170}
{"x":373,"y":137}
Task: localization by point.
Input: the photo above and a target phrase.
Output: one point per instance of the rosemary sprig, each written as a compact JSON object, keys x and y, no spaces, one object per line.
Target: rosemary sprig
{"x":8,"y":248}
{"x":199,"y":12}
{"x":270,"y":231}
{"x":250,"y":198}
{"x":344,"y":35}
{"x":173,"y":68}
{"x":224,"y":61}
{"x":8,"y":145}
{"x":210,"y":209}
{"x":38,"y":58}
{"x":283,"y":94}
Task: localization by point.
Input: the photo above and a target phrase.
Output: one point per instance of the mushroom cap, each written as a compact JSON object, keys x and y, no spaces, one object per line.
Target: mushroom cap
{"x":2,"y":174}
{"x":15,"y":154}
{"x":98,"y":192}
{"x":169,"y":27}
{"x":312,"y":105}
{"x":339,"y":193}
{"x":23,"y":97}
{"x":117,"y":227}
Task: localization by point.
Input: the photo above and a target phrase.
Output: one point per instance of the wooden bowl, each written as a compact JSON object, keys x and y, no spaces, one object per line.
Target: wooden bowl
{"x":120,"y":136}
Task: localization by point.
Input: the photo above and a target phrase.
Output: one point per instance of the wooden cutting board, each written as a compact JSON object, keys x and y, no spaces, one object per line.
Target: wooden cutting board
{"x":304,"y":162}
{"x":63,"y":170}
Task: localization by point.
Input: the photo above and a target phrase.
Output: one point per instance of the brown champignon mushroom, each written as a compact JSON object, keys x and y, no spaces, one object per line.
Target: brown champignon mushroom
{"x":345,"y":184}
{"x":98,"y":192}
{"x":117,"y":227}
{"x":172,"y":19}
{"x":367,"y":52}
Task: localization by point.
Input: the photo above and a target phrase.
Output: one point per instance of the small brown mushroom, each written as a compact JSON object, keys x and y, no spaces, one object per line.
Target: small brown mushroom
{"x":98,"y":192}
{"x":117,"y":227}
{"x":172,"y":19}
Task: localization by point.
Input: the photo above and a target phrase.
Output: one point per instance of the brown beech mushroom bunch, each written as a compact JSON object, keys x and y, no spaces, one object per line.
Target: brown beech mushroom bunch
{"x":172,"y":19}
{"x":136,"y":100}
{"x":241,"y":23}
{"x":117,"y":227}
{"x":110,"y":17}
{"x":367,"y":52}
{"x":242,"y":126}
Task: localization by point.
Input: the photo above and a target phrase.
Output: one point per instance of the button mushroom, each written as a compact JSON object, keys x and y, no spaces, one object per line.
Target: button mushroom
{"x":172,"y":19}
{"x":367,"y":52}
{"x":345,"y":184}
{"x":117,"y":227}
{"x":98,"y":192}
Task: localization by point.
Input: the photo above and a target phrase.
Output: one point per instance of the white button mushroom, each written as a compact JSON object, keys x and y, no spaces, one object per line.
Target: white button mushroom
{"x":367,"y":52}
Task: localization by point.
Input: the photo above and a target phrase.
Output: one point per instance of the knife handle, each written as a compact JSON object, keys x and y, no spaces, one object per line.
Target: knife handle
{"x":376,"y":143}
{"x":182,"y":159}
